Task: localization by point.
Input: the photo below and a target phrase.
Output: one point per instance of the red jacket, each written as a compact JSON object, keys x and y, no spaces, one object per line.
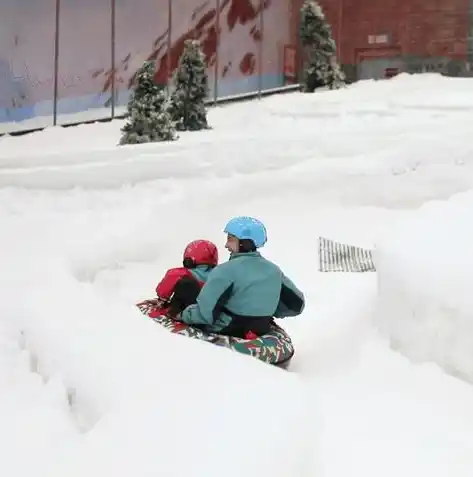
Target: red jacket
{"x":165,"y":288}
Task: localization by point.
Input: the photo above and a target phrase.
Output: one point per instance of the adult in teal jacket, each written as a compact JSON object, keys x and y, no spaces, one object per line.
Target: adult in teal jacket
{"x":243,"y":295}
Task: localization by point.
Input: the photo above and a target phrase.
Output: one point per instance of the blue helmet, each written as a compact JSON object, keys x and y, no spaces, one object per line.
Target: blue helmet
{"x":247,"y":228}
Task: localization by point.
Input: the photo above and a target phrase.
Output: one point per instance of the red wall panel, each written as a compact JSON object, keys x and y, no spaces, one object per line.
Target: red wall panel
{"x":422,"y":27}
{"x":417,"y":27}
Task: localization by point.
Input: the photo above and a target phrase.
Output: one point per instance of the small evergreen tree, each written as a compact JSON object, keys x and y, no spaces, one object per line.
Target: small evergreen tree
{"x":190,"y":87}
{"x":321,"y":67}
{"x":147,"y":119}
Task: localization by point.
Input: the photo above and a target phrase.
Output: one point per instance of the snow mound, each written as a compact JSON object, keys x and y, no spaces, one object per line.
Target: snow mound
{"x":183,"y":414}
{"x":425,"y":276}
{"x":421,"y":94}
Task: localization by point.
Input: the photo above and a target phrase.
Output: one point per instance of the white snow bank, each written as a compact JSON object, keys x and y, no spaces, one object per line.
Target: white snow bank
{"x":397,"y":420}
{"x":425,"y":274}
{"x":428,"y":93}
{"x":406,"y":155}
{"x":33,"y":413}
{"x":187,"y":407}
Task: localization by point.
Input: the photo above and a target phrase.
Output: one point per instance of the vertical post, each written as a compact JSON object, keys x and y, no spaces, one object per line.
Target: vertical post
{"x":56,"y":61}
{"x":299,"y":46}
{"x":169,"y":45}
{"x":112,"y":52}
{"x":469,"y":39}
{"x":339,"y":35}
{"x":260,"y":47}
{"x":217,"y":48}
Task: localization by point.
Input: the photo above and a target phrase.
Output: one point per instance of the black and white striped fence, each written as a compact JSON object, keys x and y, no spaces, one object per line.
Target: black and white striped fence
{"x":340,"y":257}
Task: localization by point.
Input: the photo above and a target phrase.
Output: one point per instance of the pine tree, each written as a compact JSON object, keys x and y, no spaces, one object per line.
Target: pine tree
{"x":147,"y":119}
{"x":321,"y":66}
{"x":190,"y":87}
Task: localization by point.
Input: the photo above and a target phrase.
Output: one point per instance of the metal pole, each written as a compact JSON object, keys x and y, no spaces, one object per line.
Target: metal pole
{"x":297,"y":42}
{"x":56,"y":61}
{"x":112,"y":51}
{"x":168,"y":62}
{"x":260,"y":48}
{"x":340,"y":21}
{"x":217,"y":39}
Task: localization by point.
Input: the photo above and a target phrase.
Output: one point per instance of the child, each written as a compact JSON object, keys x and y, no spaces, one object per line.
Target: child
{"x":180,"y":286}
{"x":243,"y":295}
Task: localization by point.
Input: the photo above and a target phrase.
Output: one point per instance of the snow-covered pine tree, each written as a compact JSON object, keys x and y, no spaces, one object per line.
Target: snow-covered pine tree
{"x":321,"y":67}
{"x":147,"y":119}
{"x":189,"y":89}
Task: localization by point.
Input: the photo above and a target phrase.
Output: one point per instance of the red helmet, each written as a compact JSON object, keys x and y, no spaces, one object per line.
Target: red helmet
{"x":200,"y":252}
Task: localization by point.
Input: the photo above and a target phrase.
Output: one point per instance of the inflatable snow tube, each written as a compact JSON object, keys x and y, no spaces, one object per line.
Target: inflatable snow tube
{"x":274,"y":348}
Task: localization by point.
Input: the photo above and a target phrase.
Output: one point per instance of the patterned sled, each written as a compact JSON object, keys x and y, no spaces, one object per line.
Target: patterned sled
{"x":274,"y":348}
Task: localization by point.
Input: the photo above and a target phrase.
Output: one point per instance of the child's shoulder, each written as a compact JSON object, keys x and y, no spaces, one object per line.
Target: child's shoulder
{"x":177,"y":272}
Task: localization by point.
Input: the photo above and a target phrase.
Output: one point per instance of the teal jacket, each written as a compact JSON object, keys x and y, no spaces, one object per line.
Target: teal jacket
{"x":201,"y":272}
{"x":248,"y":285}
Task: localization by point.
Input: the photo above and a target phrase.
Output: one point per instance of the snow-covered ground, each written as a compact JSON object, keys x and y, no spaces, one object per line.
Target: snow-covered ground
{"x":425,"y":274}
{"x":90,"y":387}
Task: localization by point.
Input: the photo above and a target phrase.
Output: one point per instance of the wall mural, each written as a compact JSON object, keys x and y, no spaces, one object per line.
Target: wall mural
{"x":231,"y":29}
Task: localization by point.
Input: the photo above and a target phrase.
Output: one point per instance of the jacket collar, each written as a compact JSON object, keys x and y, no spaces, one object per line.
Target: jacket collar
{"x":245,"y":254}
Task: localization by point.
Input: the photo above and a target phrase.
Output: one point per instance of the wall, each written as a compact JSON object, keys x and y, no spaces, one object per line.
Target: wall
{"x":423,"y":35}
{"x":417,"y":27}
{"x":64,"y":61}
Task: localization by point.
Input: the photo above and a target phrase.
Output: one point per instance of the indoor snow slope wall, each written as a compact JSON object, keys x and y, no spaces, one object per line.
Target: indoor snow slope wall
{"x":425,"y":285}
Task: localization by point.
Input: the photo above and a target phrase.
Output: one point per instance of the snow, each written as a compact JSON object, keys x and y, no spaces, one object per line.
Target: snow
{"x":425,"y":271}
{"x":89,"y":386}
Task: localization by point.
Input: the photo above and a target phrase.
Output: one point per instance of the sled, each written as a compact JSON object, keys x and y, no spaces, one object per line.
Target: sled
{"x":274,"y":348}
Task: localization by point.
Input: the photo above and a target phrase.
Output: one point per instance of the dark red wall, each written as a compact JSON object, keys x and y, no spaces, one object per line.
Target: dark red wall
{"x":415,"y":27}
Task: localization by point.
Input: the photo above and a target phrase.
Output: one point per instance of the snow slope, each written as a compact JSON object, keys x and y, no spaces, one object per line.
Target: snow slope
{"x":425,"y":267}
{"x":88,"y":228}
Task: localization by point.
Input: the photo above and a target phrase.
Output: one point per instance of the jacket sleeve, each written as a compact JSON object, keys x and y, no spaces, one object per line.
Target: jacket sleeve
{"x":204,"y":311}
{"x":291,"y":300}
{"x":166,"y":286}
